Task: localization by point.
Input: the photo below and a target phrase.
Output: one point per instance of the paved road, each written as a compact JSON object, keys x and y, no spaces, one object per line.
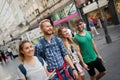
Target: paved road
{"x":110,"y":53}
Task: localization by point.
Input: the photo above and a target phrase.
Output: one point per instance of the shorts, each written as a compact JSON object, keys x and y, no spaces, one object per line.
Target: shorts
{"x":95,"y":64}
{"x":79,"y":69}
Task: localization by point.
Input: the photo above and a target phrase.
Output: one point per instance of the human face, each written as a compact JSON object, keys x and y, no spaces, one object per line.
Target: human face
{"x":28,"y":50}
{"x":65,"y":33}
{"x":80,"y":26}
{"x":47,"y":28}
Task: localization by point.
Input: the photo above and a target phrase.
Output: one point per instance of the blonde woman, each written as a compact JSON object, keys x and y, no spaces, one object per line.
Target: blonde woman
{"x":32,"y":68}
{"x":73,"y":51}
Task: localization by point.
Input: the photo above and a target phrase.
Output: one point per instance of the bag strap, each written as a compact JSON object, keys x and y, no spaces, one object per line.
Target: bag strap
{"x":76,"y":40}
{"x":42,"y":41}
{"x":41,"y":60}
{"x":23,"y":70}
{"x":42,"y":54}
{"x":57,"y":41}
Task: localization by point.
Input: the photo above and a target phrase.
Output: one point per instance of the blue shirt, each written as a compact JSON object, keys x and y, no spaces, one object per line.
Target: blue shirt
{"x":54,"y":53}
{"x":91,"y":24}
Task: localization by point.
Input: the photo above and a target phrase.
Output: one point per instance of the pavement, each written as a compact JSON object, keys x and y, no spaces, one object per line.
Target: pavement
{"x":110,"y":53}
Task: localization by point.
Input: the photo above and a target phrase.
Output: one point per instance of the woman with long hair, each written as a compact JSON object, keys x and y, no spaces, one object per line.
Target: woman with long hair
{"x":73,"y":51}
{"x":32,"y":67}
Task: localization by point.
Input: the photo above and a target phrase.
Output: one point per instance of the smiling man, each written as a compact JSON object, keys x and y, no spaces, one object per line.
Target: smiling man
{"x":54,"y":52}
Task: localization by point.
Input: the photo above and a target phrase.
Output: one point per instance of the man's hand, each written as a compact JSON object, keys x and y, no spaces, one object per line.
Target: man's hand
{"x":100,"y":57}
{"x":75,"y":74}
{"x":85,"y":66}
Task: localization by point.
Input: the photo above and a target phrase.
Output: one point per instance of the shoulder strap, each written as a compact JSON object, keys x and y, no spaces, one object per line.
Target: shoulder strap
{"x":41,"y":60}
{"x":23,"y":70}
{"x":42,"y":54}
{"x":56,"y":39}
{"x":76,"y":40}
{"x":43,"y":44}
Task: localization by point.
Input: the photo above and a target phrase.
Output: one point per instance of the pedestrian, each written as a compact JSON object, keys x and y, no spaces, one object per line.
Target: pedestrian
{"x":54,"y":52}
{"x":3,"y":55}
{"x":30,"y":68}
{"x":73,"y":51}
{"x":10,"y":53}
{"x":89,"y":52}
{"x":92,"y":26}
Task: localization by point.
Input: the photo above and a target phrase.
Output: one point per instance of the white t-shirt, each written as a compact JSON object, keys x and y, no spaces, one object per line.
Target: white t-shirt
{"x":36,"y":72}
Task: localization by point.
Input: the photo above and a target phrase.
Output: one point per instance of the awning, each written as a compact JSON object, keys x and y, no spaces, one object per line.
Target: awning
{"x":65,"y":19}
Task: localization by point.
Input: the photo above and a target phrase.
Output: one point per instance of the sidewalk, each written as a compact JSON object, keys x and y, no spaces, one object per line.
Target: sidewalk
{"x":110,"y":52}
{"x":114,"y":33}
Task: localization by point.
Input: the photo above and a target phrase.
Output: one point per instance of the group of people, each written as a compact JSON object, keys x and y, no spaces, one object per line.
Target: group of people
{"x":60,"y":57}
{"x":4,"y":55}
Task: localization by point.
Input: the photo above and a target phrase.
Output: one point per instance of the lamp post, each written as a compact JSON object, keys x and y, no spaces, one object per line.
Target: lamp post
{"x":107,"y":37}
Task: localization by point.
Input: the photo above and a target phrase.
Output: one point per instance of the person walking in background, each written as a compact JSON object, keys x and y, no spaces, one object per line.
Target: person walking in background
{"x":31,"y":67}
{"x":92,"y":26}
{"x":10,"y":53}
{"x":73,"y":51}
{"x":89,"y":52}
{"x":3,"y":55}
{"x":54,"y":52}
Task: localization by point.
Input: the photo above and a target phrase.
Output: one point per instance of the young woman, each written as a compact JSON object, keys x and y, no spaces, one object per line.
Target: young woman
{"x":73,"y":51}
{"x":35,"y":70}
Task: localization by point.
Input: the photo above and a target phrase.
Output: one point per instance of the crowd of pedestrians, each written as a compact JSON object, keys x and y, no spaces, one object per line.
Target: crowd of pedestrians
{"x":60,"y":57}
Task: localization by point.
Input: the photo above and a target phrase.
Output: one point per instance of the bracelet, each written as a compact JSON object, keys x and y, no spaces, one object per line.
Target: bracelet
{"x":73,"y":69}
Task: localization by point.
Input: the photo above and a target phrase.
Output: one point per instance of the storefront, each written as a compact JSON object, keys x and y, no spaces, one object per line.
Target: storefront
{"x":65,"y":16}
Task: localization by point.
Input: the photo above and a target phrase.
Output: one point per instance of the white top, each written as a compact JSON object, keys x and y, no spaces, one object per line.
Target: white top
{"x":73,"y":55}
{"x":36,"y":72}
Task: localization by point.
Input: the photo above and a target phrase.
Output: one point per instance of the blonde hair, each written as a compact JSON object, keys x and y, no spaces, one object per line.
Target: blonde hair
{"x":41,"y":23}
{"x":21,"y":45}
{"x":69,"y":39}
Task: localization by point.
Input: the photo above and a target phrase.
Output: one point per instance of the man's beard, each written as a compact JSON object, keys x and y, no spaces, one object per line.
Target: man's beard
{"x":48,"y":33}
{"x":81,"y":30}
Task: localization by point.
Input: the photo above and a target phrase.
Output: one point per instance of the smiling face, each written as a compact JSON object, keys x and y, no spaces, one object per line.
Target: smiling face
{"x":28,"y":49}
{"x":80,"y":26}
{"x":47,"y":28}
{"x":65,"y":33}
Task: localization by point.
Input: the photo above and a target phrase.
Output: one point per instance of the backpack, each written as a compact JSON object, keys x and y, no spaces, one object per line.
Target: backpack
{"x":42,"y":41}
{"x":23,"y":70}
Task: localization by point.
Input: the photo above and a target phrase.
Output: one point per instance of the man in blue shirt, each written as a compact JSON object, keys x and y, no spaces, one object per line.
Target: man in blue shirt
{"x":55,"y":55}
{"x":92,"y":26}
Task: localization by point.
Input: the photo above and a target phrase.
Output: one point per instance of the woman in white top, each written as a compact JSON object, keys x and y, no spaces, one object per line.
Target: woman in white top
{"x":35,"y":70}
{"x":73,"y":51}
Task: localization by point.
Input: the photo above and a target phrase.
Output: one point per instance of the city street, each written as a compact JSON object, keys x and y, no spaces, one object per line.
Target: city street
{"x":110,"y":53}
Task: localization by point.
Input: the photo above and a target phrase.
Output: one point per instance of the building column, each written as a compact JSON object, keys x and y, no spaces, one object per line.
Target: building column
{"x":113,"y":11}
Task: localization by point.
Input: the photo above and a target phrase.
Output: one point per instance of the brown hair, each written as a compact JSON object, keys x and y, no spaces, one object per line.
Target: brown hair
{"x":44,"y":20}
{"x":21,"y":45}
{"x":77,"y":20}
{"x":69,"y":39}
